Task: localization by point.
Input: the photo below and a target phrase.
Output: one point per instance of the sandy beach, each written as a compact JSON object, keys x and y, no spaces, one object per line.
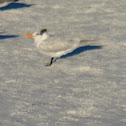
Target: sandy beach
{"x":84,"y":88}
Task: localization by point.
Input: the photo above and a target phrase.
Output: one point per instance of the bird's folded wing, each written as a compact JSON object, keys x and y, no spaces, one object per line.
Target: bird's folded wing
{"x":55,"y":47}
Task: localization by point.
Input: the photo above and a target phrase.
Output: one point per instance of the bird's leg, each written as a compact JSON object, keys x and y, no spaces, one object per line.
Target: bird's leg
{"x":49,"y":64}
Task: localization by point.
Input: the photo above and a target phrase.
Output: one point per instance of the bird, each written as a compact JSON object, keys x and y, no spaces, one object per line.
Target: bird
{"x":55,"y":46}
{"x":6,"y":2}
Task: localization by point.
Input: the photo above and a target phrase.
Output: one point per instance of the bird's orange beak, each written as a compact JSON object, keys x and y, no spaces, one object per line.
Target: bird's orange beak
{"x":29,"y":35}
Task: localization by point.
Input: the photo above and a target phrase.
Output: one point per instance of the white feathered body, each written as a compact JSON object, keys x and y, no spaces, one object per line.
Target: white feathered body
{"x":56,"y":47}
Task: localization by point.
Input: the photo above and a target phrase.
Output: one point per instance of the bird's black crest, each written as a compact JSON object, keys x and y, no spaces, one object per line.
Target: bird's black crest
{"x":42,"y":31}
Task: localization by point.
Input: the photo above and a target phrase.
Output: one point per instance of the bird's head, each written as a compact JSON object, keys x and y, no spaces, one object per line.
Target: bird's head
{"x":41,"y":35}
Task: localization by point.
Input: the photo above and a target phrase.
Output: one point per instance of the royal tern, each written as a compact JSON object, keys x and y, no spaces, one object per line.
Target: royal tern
{"x":6,"y":2}
{"x":53,"y":46}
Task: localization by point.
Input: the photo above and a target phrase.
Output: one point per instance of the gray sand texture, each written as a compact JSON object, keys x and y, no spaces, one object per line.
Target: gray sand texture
{"x":84,"y":88}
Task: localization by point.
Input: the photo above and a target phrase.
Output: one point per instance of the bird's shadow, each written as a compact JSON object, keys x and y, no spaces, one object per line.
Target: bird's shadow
{"x":8,"y":36}
{"x":15,"y":6}
{"x":81,"y":49}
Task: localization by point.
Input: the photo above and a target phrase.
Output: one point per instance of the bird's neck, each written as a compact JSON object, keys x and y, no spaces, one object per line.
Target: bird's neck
{"x":40,"y":39}
{"x":45,"y":36}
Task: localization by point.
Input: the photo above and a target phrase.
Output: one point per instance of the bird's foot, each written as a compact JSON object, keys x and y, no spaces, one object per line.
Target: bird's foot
{"x":48,"y":64}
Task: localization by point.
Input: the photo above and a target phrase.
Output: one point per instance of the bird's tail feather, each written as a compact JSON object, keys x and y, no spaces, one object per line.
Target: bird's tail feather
{"x":85,"y":42}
